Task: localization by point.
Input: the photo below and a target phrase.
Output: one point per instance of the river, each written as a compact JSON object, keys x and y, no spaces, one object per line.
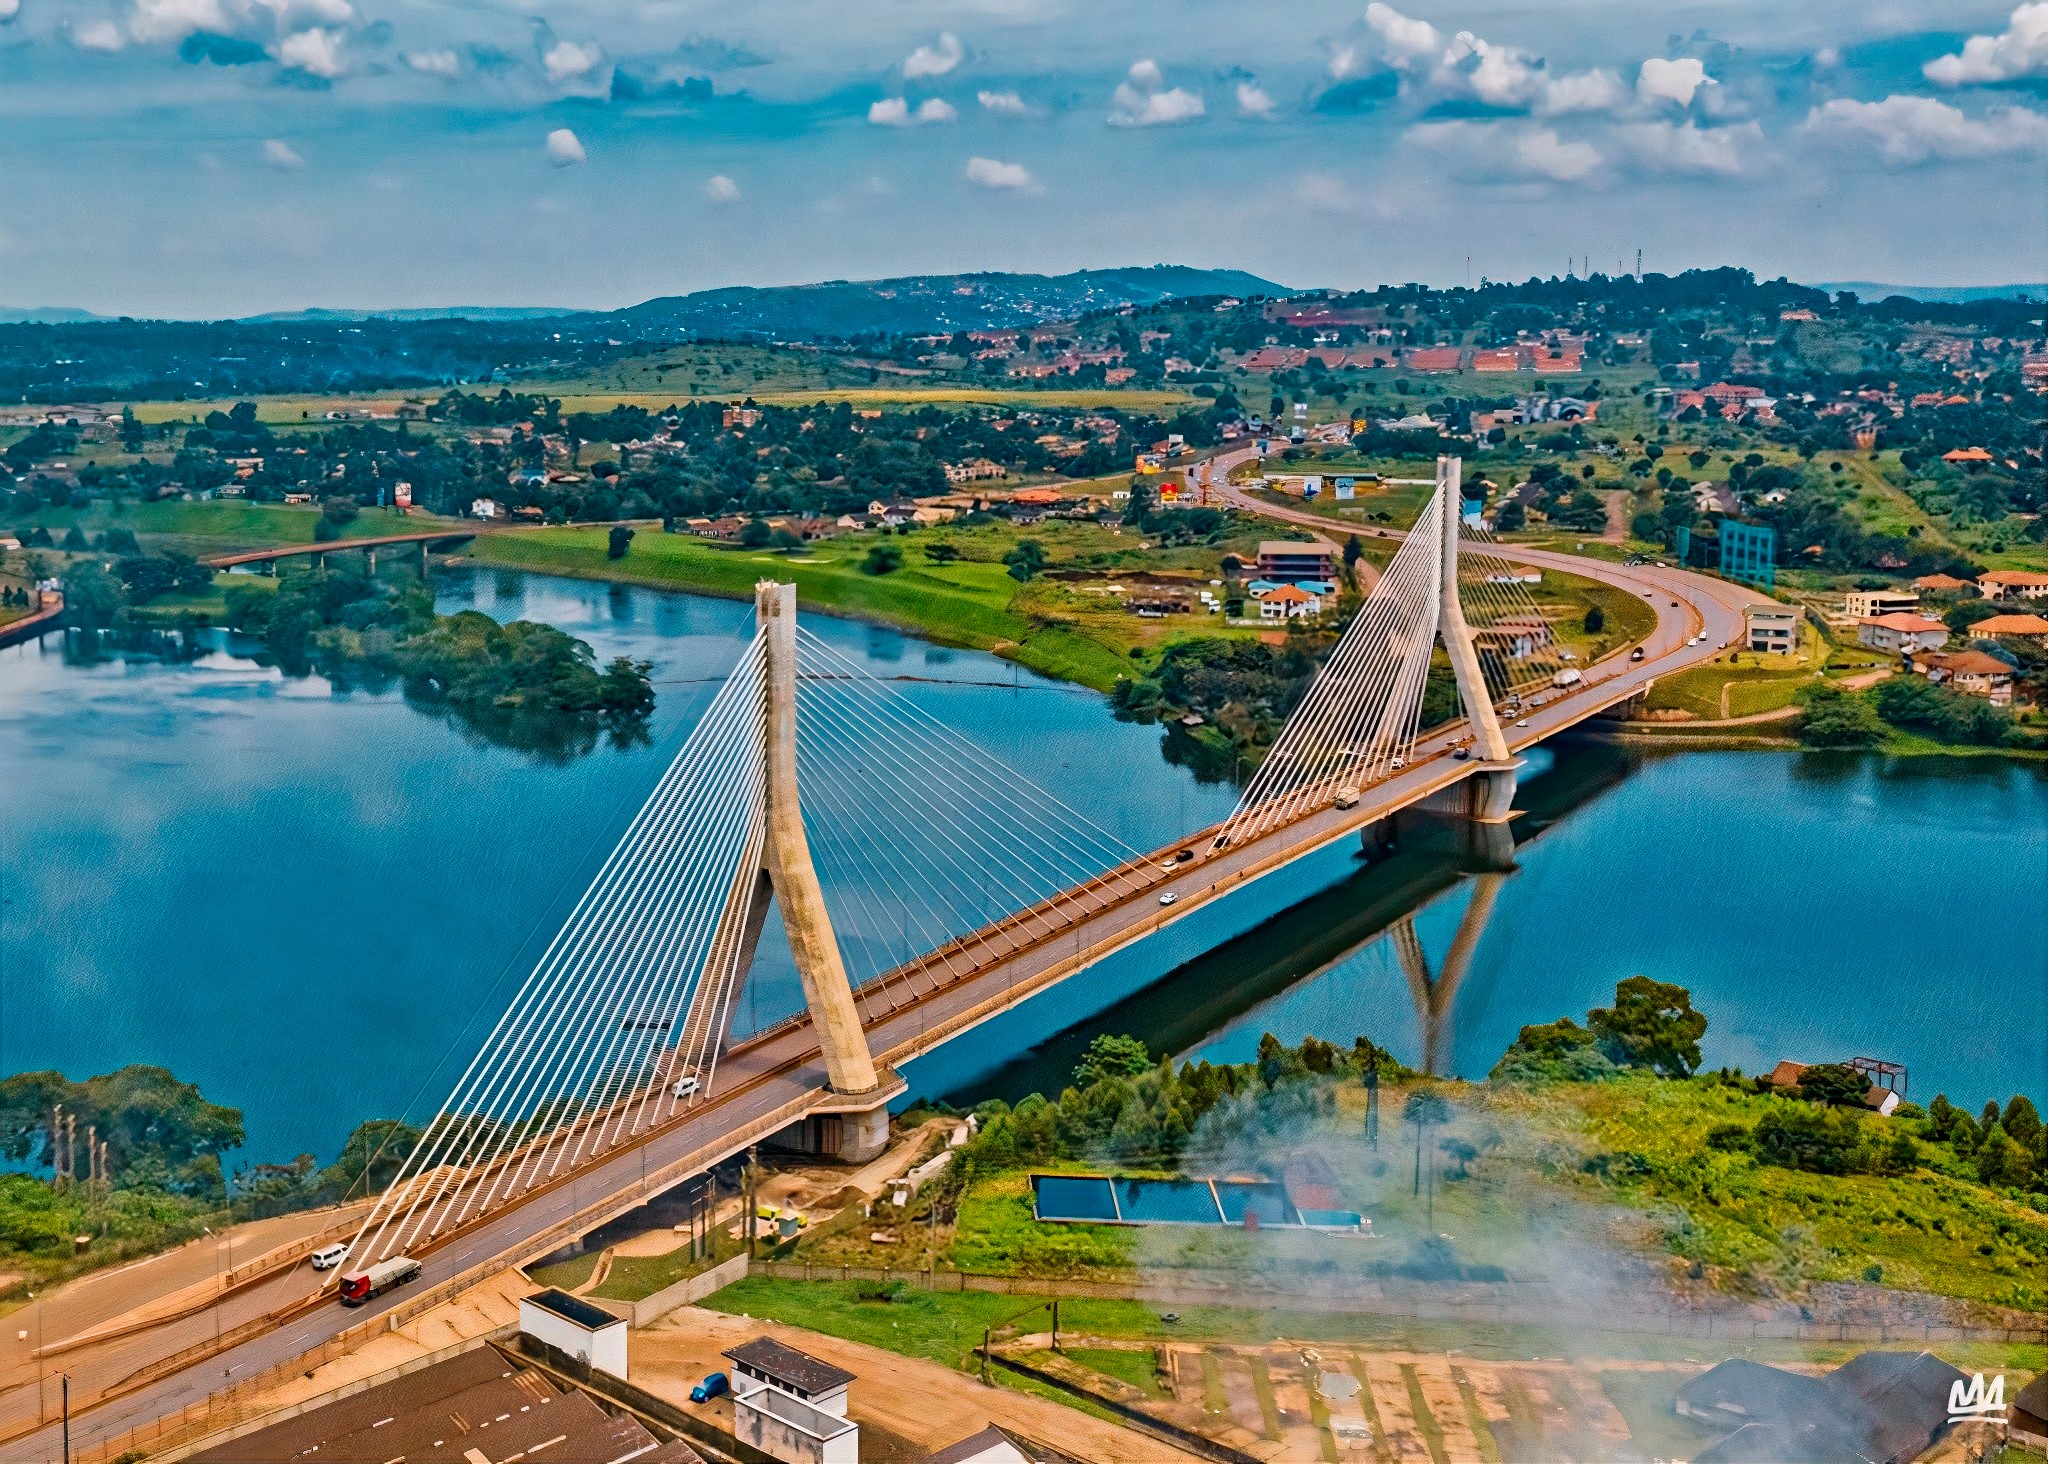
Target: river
{"x":311,"y":903}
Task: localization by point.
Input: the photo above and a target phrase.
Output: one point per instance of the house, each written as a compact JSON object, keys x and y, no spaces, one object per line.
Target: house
{"x":1771,"y":627}
{"x":1877,"y":1406}
{"x":974,"y":470}
{"x":1942,"y":584}
{"x":433,"y":1414}
{"x":486,"y":508}
{"x":2027,"y":1415}
{"x":576,"y":1328}
{"x":1288,"y":603}
{"x":1901,"y":632}
{"x":998,"y":1445}
{"x":1877,"y":1099}
{"x":790,"y":1430}
{"x":2013,"y":584}
{"x":1862,"y":603}
{"x":740,"y":417}
{"x":1972,"y":457}
{"x":2031,"y":627}
{"x":1517,"y":637}
{"x":1973,"y":673}
{"x":802,"y":1376}
{"x":1297,"y":559}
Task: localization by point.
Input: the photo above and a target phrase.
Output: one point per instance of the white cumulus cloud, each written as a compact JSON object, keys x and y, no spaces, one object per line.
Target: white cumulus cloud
{"x":1253,"y":101}
{"x":438,"y":62}
{"x":1003,"y":103}
{"x":173,"y":20}
{"x":1502,"y":151}
{"x":1673,"y":80}
{"x":1406,"y":41}
{"x":990,"y":173}
{"x":566,"y":61}
{"x":1467,"y":67}
{"x":8,"y":10}
{"x":563,"y":149}
{"x":280,"y":154}
{"x":96,"y":35}
{"x":1547,"y":155}
{"x":896,"y":112}
{"x":721,"y":189}
{"x":1905,"y":130}
{"x":2020,"y":50}
{"x":1144,"y":100}
{"x":935,"y":60}
{"x":1598,"y":90}
{"x":320,"y":52}
{"x":1684,"y":148}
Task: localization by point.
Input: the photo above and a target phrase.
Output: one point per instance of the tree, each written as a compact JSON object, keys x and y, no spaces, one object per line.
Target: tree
{"x":75,"y":541}
{"x":371,"y":1156}
{"x":1510,"y":517}
{"x":2000,"y":1161}
{"x":620,"y":539}
{"x":1651,"y":1024}
{"x":1111,"y":1056}
{"x":92,"y":597}
{"x":755,"y":534}
{"x":941,"y":552}
{"x":1026,"y":560}
{"x":1596,"y":620}
{"x":1353,"y":552}
{"x":1554,"y":1051}
{"x":1837,"y":718}
{"x":1834,"y":1085}
{"x":882,"y":559}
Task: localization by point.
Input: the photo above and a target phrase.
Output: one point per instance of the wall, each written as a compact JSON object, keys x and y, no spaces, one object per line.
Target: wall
{"x":686,"y":1292}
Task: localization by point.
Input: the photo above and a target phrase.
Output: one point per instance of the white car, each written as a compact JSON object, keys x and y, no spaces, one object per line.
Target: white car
{"x":1168,"y":898}
{"x":1523,"y":723}
{"x":1397,"y":764}
{"x":685,"y":1086}
{"x":329,"y":1256}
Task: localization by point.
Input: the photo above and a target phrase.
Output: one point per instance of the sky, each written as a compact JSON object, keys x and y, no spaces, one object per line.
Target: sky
{"x":202,"y":158}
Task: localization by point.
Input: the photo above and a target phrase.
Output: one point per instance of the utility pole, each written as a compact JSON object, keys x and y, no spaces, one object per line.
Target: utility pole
{"x":1639,"y":266}
{"x":67,"y":1417}
{"x":753,"y":1205}
{"x":57,"y":1144}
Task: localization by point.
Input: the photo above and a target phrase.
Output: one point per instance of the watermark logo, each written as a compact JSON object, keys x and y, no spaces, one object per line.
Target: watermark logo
{"x":1974,"y":1400}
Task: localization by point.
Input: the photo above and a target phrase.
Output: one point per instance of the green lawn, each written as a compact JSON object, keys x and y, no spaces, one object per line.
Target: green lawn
{"x":970,"y":602}
{"x":216,"y":526}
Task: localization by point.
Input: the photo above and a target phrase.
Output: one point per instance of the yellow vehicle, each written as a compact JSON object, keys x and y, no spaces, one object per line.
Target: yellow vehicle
{"x":768,"y":1212}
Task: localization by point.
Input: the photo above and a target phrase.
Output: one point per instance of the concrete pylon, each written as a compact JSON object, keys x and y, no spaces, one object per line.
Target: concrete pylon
{"x":786,"y":858}
{"x":1435,"y":994}
{"x":1493,"y":775}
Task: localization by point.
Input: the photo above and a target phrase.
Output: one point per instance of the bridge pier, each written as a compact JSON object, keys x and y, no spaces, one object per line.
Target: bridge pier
{"x":1490,"y":792}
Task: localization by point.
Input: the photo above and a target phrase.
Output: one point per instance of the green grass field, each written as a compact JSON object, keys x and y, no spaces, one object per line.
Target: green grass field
{"x":217,"y":526}
{"x":971,"y":602}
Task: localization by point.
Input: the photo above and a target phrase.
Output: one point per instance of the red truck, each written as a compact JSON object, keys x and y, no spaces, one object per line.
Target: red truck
{"x":358,"y":1287}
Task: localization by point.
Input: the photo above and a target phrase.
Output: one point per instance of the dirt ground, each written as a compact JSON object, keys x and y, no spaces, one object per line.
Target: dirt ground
{"x":920,"y":1403}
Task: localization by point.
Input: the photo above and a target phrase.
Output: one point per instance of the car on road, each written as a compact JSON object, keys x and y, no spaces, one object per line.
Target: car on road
{"x":1636,"y":654}
{"x":329,"y":1256}
{"x":1462,"y":754}
{"x":715,"y":1385}
{"x":686,"y":1086}
{"x":1168,"y":898}
{"x":1523,"y":723}
{"x":1674,"y":604}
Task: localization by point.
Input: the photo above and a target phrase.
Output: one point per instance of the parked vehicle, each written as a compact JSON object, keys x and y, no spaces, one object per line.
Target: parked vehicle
{"x":358,"y":1287}
{"x":1347,"y":798}
{"x":715,"y":1385}
{"x":329,"y":1256}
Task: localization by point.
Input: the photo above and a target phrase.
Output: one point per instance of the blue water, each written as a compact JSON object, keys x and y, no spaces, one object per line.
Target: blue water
{"x":1819,"y":907}
{"x":312,"y":904}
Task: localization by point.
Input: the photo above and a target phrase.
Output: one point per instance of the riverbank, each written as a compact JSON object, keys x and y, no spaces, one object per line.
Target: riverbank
{"x":963,"y":596}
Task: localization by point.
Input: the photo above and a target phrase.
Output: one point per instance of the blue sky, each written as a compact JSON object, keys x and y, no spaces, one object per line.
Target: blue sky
{"x":208,"y":157}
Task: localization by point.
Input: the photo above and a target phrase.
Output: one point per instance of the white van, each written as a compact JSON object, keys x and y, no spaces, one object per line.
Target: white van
{"x":329,"y":1256}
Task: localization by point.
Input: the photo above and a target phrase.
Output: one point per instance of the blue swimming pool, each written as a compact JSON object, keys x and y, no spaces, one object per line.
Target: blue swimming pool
{"x":1102,"y":1199}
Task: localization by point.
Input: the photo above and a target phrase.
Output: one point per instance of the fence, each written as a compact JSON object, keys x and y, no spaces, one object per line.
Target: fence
{"x":686,"y":1292}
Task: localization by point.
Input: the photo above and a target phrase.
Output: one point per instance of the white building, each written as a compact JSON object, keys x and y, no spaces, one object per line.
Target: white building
{"x":1771,"y":628}
{"x":791,"y":1430}
{"x":1862,"y":604}
{"x":571,"y":1325}
{"x":1901,"y":632}
{"x":809,"y":1379}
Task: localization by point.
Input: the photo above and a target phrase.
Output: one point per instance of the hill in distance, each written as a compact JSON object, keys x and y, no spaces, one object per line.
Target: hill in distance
{"x":423,"y":312}
{"x":920,"y":304}
{"x":45,"y":315}
{"x":1936,"y":294}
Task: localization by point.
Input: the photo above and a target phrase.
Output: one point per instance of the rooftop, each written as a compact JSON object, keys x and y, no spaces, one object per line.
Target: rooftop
{"x":1288,"y":548}
{"x":2011,"y":625}
{"x":1904,"y":620}
{"x":1970,"y":663}
{"x":575,"y":1309}
{"x":784,"y":1364}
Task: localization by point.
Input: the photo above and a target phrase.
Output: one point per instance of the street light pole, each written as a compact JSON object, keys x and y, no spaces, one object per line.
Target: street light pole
{"x":67,"y":1418}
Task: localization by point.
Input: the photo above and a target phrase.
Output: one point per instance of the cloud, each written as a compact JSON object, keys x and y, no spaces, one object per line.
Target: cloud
{"x":563,"y":150}
{"x":1253,"y":101}
{"x":2020,"y":50}
{"x":1406,"y":42}
{"x":567,"y":61}
{"x":8,"y":10}
{"x":1144,"y":100}
{"x":1672,"y":80}
{"x":934,"y":60}
{"x":896,"y":112}
{"x":721,"y":189}
{"x":280,"y":155}
{"x":1704,"y":152}
{"x":173,"y":20}
{"x":1598,"y":90}
{"x":94,"y":35}
{"x":317,"y":52}
{"x":1508,"y":151}
{"x":1000,"y":176}
{"x":1906,"y":130}
{"x":1004,"y":104}
{"x":439,"y":62}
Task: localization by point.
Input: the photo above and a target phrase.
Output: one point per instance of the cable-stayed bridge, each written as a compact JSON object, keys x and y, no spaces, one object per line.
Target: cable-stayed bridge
{"x":612,"y":1075}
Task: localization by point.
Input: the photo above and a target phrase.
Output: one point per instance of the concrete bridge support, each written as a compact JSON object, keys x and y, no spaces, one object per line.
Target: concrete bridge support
{"x":1494,"y":767}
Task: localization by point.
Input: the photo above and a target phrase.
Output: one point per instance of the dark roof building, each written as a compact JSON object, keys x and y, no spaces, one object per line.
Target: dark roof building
{"x":998,"y":1445}
{"x":2028,"y":1414}
{"x":1877,"y":1408}
{"x":797,"y":1373}
{"x":477,"y":1404}
{"x":1738,"y":1391}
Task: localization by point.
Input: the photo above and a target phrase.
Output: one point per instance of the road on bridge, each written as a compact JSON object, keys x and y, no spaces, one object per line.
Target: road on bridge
{"x":771,"y":1080}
